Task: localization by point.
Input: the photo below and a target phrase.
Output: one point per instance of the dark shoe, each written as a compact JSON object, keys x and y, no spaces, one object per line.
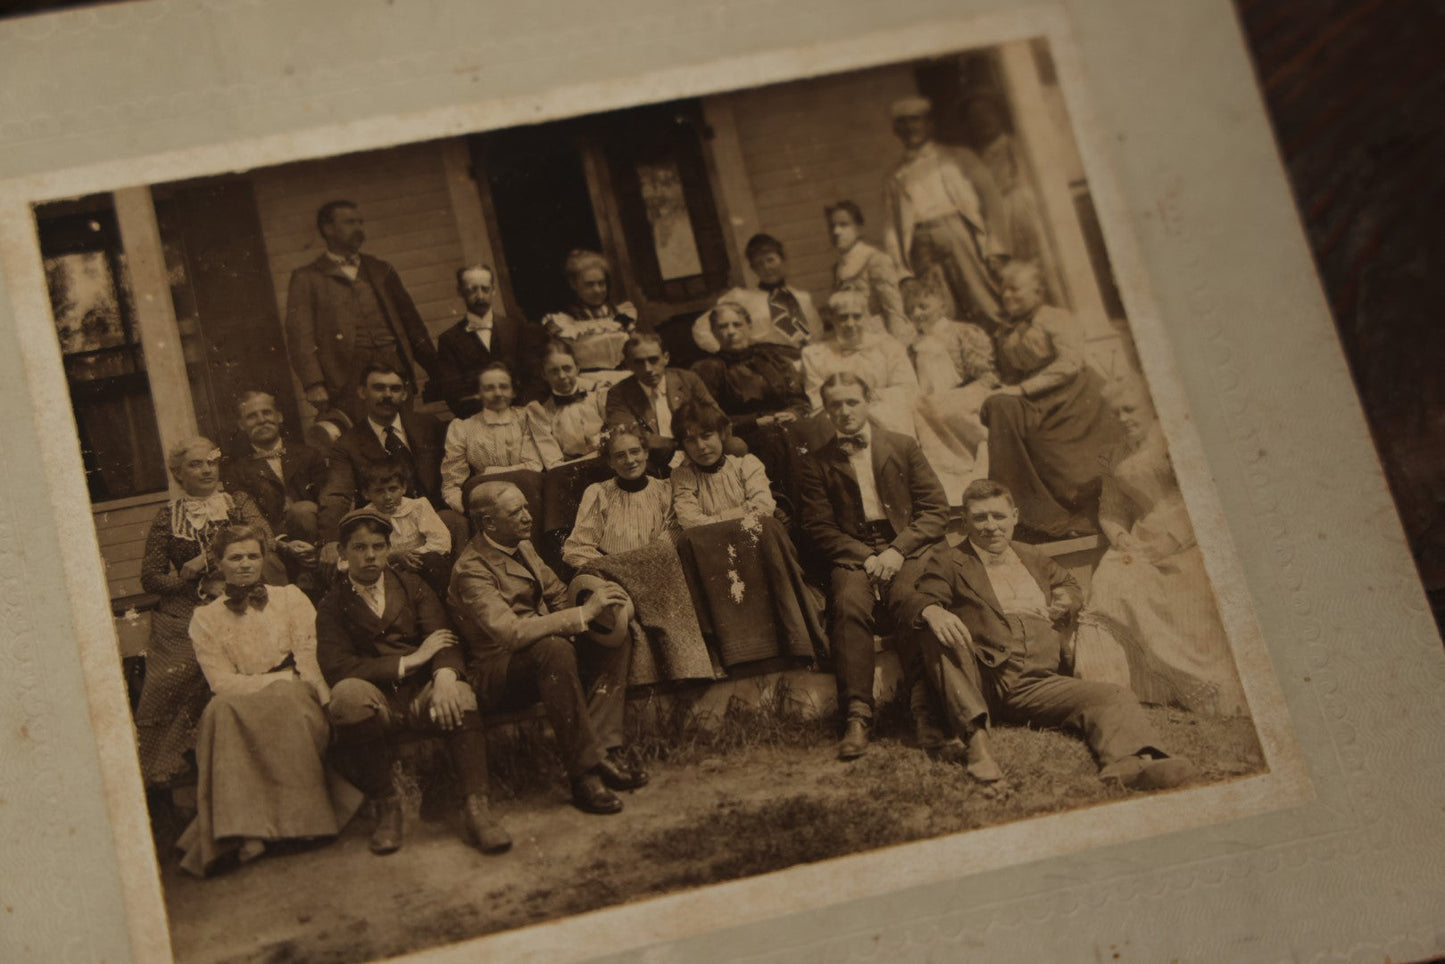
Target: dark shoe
{"x":855,"y":739}
{"x":386,"y":838}
{"x":590,"y":796}
{"x":485,"y":831}
{"x":618,"y":775}
{"x":930,"y":733}
{"x":979,"y":761}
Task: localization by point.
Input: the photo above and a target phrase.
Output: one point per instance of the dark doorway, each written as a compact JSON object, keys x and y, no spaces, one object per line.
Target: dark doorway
{"x":543,"y":209}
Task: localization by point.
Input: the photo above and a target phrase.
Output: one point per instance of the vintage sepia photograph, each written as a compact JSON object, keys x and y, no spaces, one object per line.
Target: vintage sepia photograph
{"x":547,"y":518}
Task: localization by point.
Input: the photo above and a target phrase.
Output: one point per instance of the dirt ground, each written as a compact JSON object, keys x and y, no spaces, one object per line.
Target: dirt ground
{"x":711,"y":813}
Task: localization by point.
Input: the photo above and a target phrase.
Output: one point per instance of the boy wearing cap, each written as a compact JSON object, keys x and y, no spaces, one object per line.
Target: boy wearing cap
{"x":946,"y":217}
{"x":393,"y":664}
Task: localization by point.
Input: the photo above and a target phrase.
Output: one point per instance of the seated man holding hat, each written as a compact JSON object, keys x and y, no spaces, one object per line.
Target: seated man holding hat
{"x":393,"y":664}
{"x":527,"y":640}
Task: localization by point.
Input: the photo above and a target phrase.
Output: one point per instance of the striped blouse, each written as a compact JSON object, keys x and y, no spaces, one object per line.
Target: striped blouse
{"x":613,"y":520}
{"x":738,"y":488}
{"x":486,"y":443}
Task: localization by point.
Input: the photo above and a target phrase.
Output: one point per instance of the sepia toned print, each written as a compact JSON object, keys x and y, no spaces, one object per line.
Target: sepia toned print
{"x":630,"y":503}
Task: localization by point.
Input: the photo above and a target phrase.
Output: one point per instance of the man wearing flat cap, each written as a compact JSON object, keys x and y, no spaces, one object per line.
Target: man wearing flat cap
{"x":945,"y":215}
{"x":393,"y":664}
{"x":529,"y":639}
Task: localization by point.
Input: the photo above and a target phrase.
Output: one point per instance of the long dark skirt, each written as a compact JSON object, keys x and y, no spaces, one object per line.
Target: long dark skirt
{"x":749,"y":591}
{"x":1051,"y":452}
{"x":262,"y":767}
{"x":174,"y":693}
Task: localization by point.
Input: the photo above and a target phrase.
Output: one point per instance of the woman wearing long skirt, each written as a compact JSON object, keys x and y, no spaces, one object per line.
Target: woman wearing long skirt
{"x":1151,"y":622}
{"x":261,"y":744}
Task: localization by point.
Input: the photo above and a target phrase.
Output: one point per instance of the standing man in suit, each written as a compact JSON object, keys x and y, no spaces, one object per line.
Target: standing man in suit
{"x":653,"y":394}
{"x":873,"y":507}
{"x":991,"y":619}
{"x":393,"y":664}
{"x":482,"y":337}
{"x":347,"y":309}
{"x":284,"y":480}
{"x":779,"y":313}
{"x":525,"y":641}
{"x":946,"y":216}
{"x":385,"y":430}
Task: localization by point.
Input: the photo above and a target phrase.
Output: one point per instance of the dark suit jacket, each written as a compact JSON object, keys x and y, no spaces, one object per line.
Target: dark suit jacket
{"x":303,"y":471}
{"x":628,"y":401}
{"x":955,"y":579}
{"x":320,"y":331}
{"x":461,"y":356}
{"x":353,"y":643}
{"x":912,"y":497}
{"x":358,"y":446}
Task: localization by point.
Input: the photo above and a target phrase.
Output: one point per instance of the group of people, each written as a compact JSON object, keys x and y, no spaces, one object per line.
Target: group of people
{"x":592,"y":518}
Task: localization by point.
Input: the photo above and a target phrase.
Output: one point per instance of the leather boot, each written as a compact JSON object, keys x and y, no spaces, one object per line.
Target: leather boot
{"x":386,"y":838}
{"x":590,"y":795}
{"x":855,"y":739}
{"x":485,"y":831}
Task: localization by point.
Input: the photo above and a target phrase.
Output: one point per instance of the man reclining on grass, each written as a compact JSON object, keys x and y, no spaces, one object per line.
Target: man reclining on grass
{"x":989,"y":619}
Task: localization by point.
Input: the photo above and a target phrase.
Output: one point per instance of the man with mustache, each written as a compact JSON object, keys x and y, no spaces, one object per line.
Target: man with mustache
{"x":484,"y":335}
{"x":386,"y":429}
{"x":346,"y":310}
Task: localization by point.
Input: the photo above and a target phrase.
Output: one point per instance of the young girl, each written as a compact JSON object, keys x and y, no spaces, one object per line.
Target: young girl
{"x":625,"y":512}
{"x":420,"y":541}
{"x":495,"y":441}
{"x":261,"y":745}
{"x":955,"y":366}
{"x":712,"y":486}
{"x":735,"y":550}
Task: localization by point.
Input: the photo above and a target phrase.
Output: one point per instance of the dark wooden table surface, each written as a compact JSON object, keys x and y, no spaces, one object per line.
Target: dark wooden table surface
{"x":1355,"y":90}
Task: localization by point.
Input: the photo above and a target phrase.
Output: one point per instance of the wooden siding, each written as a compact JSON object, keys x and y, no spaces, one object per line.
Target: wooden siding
{"x":122,"y":534}
{"x":810,"y":143}
{"x":403,"y":195}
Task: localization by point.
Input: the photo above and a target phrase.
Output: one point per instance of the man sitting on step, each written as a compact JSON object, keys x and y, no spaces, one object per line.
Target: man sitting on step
{"x":990,"y":618}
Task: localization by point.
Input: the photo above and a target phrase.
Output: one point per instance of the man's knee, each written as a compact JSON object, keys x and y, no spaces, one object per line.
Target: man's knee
{"x":852,"y":596}
{"x":554,"y":656}
{"x":1000,"y":410}
{"x":356,"y":701}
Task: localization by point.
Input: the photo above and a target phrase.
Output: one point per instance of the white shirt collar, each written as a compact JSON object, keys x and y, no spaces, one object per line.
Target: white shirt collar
{"x":484,"y":323}
{"x":501,"y":548}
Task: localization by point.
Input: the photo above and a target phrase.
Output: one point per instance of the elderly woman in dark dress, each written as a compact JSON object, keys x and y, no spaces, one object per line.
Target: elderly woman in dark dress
{"x":759,"y":386}
{"x":179,"y":566}
{"x":1049,"y":428}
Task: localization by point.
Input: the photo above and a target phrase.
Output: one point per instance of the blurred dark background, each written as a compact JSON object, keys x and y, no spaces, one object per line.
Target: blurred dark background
{"x":1356,"y":92}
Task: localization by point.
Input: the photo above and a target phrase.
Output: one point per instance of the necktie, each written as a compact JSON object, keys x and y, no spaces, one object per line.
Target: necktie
{"x":787,"y":314}
{"x":852,"y":444}
{"x":238,"y":596}
{"x":278,"y":452}
{"x":393,"y":444}
{"x":352,"y":260}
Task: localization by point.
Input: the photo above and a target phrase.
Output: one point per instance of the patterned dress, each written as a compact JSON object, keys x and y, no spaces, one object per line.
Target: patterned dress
{"x":175,"y":693}
{"x":492,"y":444}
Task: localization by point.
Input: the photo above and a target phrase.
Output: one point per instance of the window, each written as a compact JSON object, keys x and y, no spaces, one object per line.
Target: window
{"x":90,"y":298}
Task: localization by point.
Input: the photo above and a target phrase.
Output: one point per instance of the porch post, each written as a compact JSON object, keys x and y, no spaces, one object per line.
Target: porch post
{"x":733,"y":189}
{"x":160,"y":335}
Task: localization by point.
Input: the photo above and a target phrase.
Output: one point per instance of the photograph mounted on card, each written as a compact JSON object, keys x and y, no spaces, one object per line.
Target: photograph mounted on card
{"x":653,"y":510}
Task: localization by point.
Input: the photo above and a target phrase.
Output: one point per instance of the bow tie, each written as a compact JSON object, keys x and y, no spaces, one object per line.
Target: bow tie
{"x":352,"y":260}
{"x":852,"y":444}
{"x":276,"y":453}
{"x":562,"y":401}
{"x":238,"y":596}
{"x":773,"y":286}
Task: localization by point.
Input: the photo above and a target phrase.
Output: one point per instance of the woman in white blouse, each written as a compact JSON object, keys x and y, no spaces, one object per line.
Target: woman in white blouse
{"x":261,"y":744}
{"x":625,"y":512}
{"x":495,"y":441}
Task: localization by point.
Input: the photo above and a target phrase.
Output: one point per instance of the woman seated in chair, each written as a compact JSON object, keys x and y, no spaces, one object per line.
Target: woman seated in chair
{"x":497,"y":443}
{"x":1049,"y":428}
{"x":744,"y":567}
{"x":261,"y":745}
{"x":179,"y":567}
{"x":1151,"y":622}
{"x":594,"y":325}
